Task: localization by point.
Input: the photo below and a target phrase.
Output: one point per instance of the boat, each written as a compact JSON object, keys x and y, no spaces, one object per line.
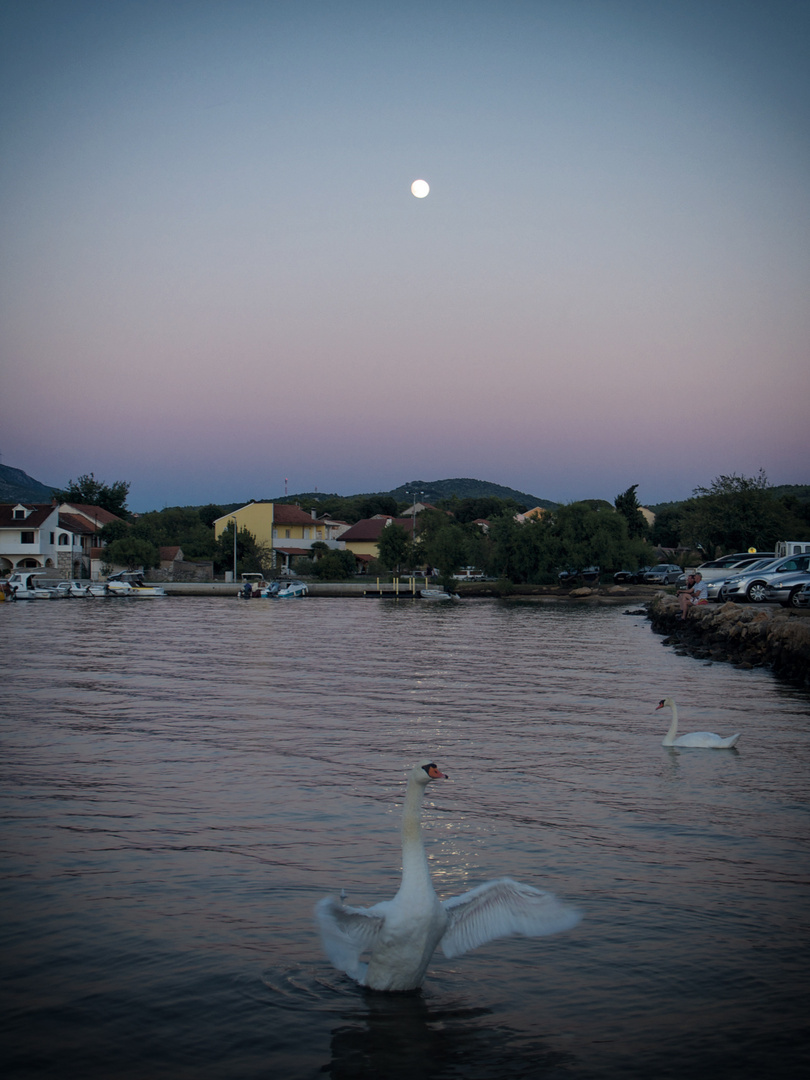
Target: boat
{"x":292,"y":588}
{"x":131,"y":583}
{"x":27,"y":585}
{"x":254,"y":586}
{"x":437,"y":594}
{"x":82,"y":588}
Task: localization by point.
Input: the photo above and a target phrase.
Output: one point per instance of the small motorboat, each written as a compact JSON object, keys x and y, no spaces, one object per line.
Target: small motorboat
{"x":255,"y":585}
{"x":292,"y":588}
{"x":437,"y":594}
{"x":82,"y":588}
{"x":131,"y":583}
{"x":28,"y":585}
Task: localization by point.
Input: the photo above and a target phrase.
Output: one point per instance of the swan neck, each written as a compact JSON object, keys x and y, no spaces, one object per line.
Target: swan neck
{"x":673,"y":727}
{"x":415,"y":872}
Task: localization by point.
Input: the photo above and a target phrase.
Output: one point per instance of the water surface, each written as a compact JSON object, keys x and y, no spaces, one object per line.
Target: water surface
{"x":183,"y":779}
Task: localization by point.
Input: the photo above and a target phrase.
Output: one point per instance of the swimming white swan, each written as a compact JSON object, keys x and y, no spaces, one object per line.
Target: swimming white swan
{"x":695,"y":738}
{"x":401,"y":934}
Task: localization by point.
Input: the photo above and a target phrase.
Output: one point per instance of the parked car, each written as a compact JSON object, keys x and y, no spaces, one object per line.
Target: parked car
{"x":803,"y":596}
{"x":565,"y":577}
{"x":752,"y":584}
{"x":785,"y":589}
{"x":720,"y":586}
{"x":663,"y":574}
{"x":632,"y":577}
{"x":720,"y":569}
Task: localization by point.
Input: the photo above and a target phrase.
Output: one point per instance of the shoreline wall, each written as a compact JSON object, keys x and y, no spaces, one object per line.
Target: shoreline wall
{"x":746,"y":635}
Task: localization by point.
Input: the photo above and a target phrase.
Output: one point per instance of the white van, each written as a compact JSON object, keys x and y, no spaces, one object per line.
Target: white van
{"x":792,"y":547}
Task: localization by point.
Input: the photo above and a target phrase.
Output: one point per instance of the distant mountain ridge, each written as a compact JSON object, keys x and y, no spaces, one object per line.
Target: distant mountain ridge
{"x":431,"y":491}
{"x":18,"y":486}
{"x":465,"y":488}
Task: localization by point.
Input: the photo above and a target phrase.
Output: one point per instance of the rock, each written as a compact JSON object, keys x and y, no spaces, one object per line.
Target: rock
{"x":745,"y":636}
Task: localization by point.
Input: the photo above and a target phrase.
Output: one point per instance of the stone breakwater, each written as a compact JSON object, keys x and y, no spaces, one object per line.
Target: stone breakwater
{"x":746,"y":635}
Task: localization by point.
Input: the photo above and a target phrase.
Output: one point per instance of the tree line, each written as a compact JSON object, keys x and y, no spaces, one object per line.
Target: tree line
{"x":733,"y":514}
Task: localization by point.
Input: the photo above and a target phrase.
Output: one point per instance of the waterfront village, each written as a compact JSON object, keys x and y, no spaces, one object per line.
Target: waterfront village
{"x":65,"y":540}
{"x":53,"y":550}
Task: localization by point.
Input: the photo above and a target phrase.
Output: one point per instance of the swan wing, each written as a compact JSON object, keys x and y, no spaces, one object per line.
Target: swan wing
{"x":502,"y":908}
{"x":347,"y":932}
{"x":707,"y":739}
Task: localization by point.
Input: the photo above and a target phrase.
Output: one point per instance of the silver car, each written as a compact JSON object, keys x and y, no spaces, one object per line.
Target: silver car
{"x":663,"y":574}
{"x":785,"y":589}
{"x":752,"y":584}
{"x":803,"y":596}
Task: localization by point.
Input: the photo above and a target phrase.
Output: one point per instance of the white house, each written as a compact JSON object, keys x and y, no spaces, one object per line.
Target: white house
{"x":35,"y":536}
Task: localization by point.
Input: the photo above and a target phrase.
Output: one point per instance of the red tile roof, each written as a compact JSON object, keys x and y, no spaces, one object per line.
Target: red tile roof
{"x":288,"y":514}
{"x":95,"y":514}
{"x":370,"y":530}
{"x":40,"y":512}
{"x":75,"y":524}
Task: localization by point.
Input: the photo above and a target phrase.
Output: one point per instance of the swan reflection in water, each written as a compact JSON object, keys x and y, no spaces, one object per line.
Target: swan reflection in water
{"x":400,"y":1036}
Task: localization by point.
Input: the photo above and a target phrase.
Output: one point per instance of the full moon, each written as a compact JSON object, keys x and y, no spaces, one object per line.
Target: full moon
{"x":420,"y":188}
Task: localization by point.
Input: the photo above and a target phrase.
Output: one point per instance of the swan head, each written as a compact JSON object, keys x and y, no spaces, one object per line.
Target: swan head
{"x":426,"y":772}
{"x":663,"y":702}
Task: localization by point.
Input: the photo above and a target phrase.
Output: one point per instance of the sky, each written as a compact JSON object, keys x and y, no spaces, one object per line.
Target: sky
{"x":215,"y":283}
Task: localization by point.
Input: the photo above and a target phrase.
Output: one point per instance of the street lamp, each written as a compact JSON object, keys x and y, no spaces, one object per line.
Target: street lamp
{"x":235,"y":578}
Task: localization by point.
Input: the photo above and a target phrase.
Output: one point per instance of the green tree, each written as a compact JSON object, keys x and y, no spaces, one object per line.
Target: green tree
{"x":629,"y":507}
{"x":251,"y":557}
{"x":733,"y":514}
{"x":114,"y":530}
{"x":180,"y":526}
{"x":209,"y":514}
{"x":333,"y":566}
{"x":91,"y":492}
{"x":393,"y":546}
{"x":132,"y":553}
{"x":445,"y":546}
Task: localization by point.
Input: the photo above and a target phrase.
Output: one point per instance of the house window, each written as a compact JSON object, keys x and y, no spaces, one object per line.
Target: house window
{"x":53,"y":538}
{"x":287,"y":533}
{"x":27,"y":537}
{"x":19,"y":515}
{"x":64,"y":539}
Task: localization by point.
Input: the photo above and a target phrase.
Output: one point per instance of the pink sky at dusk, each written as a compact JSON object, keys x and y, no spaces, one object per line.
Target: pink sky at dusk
{"x":214,"y":275}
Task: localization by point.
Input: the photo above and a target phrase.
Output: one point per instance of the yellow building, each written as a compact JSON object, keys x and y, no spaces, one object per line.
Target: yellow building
{"x":286,"y":529}
{"x":363,"y":538}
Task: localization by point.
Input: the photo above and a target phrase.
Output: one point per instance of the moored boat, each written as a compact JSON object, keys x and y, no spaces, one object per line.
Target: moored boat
{"x":28,"y":585}
{"x":82,"y":588}
{"x":129,"y":583}
{"x":292,"y":588}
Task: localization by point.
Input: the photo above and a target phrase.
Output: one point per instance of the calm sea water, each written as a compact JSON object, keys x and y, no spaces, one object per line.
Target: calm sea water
{"x":183,"y":779}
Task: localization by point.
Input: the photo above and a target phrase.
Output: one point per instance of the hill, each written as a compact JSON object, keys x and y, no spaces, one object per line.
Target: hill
{"x":431,"y":491}
{"x":465,"y":488}
{"x":17,"y":486}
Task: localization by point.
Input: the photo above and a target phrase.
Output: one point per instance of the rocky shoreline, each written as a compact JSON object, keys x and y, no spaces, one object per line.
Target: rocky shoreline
{"x":745,"y":635}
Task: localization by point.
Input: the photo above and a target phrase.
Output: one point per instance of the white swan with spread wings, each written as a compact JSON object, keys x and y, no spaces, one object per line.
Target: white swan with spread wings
{"x":400,"y":935}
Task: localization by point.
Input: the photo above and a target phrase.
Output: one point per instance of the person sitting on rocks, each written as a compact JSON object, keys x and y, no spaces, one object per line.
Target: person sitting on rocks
{"x":698,"y":594}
